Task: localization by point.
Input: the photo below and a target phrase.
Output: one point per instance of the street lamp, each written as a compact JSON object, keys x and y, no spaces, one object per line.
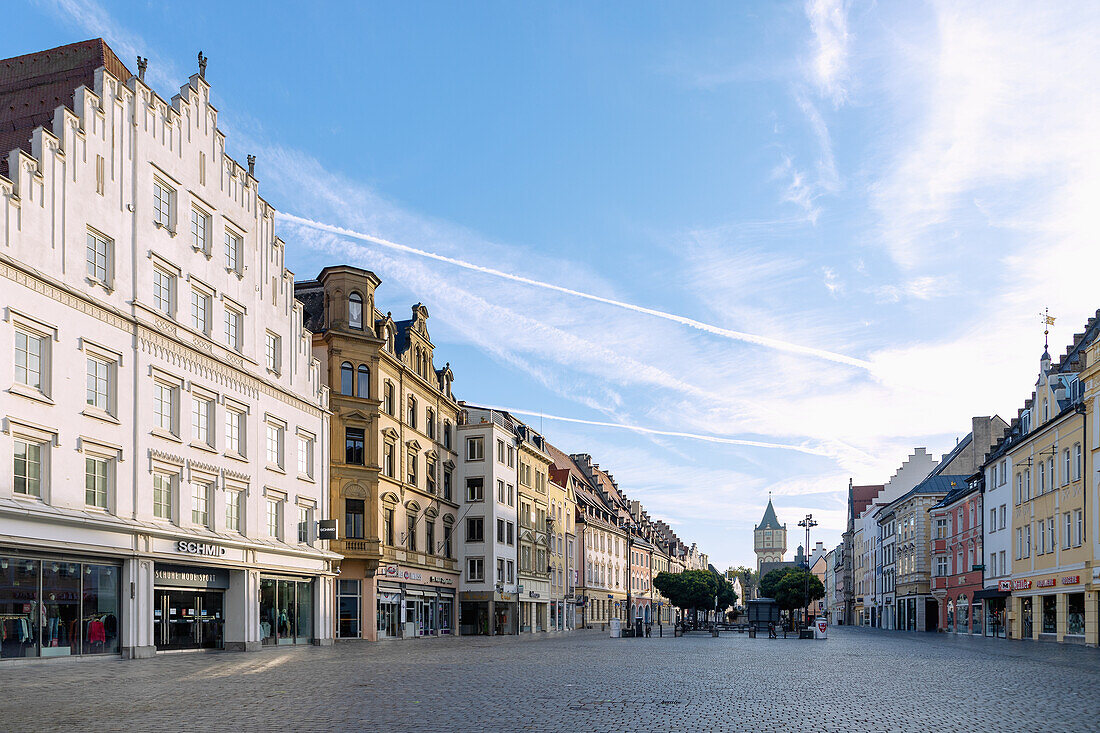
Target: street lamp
{"x":807,"y":523}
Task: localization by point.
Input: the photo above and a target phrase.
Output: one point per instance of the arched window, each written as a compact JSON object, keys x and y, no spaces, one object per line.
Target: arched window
{"x":364,"y":381}
{"x":355,"y":311}
{"x":347,"y":378}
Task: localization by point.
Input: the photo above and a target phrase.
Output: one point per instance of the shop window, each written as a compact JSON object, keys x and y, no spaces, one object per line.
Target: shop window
{"x":286,"y":611}
{"x":1050,"y":614}
{"x":53,"y":608}
{"x":1075,"y":614}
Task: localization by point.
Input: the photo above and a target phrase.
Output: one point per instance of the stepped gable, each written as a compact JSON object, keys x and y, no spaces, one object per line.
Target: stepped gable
{"x":34,"y":85}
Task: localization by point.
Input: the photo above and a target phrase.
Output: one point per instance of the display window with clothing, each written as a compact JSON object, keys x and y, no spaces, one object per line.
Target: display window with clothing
{"x":54,"y":607}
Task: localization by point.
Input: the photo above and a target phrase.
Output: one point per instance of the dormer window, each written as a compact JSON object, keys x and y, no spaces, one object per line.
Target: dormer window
{"x":355,"y":311}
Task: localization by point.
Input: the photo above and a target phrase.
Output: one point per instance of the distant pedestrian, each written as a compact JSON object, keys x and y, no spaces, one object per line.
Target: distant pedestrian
{"x":771,"y":631}
{"x":648,"y":630}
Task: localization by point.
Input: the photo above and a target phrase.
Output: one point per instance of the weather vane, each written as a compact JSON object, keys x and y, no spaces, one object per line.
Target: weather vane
{"x":1048,"y":321}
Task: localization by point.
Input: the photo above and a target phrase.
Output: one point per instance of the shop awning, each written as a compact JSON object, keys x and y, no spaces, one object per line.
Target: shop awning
{"x":991,"y":593}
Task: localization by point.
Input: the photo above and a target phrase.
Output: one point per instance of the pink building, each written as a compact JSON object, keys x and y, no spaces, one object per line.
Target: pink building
{"x":957,"y":570}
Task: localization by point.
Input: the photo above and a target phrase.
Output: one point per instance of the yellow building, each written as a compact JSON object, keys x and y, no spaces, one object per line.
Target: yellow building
{"x":1052,"y":561}
{"x":534,"y":530}
{"x":563,"y":508}
{"x":392,"y":433}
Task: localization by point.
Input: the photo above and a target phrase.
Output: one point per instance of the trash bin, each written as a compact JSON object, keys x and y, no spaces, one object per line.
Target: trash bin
{"x":616,"y":628}
{"x":821,"y":628}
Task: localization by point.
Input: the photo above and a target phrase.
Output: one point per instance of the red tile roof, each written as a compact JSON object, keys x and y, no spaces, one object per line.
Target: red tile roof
{"x":862,"y":496}
{"x":34,"y":85}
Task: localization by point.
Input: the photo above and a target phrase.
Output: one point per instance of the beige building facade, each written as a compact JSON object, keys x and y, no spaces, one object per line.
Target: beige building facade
{"x":392,"y":464}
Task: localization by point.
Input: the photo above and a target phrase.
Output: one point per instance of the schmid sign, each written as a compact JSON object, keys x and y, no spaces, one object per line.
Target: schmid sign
{"x":1071,"y":579}
{"x":199,"y":548}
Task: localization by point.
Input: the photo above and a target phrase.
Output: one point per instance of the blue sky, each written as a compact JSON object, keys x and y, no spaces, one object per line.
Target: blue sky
{"x":903,"y":184}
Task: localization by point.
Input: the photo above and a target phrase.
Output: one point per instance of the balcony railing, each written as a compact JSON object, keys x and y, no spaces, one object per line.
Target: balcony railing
{"x":357,"y":547}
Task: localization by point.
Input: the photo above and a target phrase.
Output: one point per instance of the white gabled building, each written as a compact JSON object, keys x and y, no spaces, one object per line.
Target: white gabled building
{"x":163,"y":425}
{"x":488,"y":525}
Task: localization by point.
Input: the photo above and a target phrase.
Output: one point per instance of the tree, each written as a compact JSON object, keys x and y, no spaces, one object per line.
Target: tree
{"x":788,"y":587}
{"x":695,"y":589}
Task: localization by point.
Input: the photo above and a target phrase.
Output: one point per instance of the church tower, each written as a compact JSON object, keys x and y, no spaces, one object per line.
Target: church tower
{"x":769,"y":538}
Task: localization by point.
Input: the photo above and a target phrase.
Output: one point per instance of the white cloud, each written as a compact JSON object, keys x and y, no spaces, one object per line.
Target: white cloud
{"x":829,"y":66}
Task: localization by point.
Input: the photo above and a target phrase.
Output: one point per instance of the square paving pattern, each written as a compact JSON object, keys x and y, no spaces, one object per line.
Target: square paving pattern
{"x":856,"y":680}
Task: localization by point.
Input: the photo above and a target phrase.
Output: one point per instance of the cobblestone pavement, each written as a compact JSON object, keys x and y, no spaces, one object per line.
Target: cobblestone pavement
{"x":856,"y":680}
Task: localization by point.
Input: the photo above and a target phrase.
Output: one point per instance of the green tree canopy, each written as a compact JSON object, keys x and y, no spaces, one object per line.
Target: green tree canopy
{"x":694,"y":589}
{"x":788,"y":587}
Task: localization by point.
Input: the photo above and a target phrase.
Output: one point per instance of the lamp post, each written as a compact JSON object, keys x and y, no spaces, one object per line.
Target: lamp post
{"x":807,"y":523}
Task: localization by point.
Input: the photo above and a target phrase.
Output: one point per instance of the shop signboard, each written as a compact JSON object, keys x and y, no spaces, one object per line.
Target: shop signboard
{"x":326,"y":529}
{"x":1071,"y":579}
{"x":1046,"y":583}
{"x":1004,"y":585}
{"x":1021,"y":584}
{"x":207,"y":549}
{"x":177,"y":576}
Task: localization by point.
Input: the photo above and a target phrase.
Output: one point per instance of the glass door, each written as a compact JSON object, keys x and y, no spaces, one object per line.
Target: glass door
{"x":188,"y":619}
{"x":388,"y":619}
{"x":209,"y":620}
{"x":286,"y":621}
{"x":349,"y":601}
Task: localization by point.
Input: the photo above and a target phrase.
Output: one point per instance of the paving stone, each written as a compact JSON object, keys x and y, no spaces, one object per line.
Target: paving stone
{"x":856,"y":680}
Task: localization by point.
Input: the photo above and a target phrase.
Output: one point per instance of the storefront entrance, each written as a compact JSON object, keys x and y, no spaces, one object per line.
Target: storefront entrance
{"x":188,"y":619}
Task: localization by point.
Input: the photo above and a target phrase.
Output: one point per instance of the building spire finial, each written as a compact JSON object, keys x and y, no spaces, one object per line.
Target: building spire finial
{"x":1048,"y":321}
{"x":143,"y":64}
{"x":202,"y":65}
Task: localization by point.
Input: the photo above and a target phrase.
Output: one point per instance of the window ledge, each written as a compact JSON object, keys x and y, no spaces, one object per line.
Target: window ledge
{"x":96,"y":282}
{"x":235,"y":456}
{"x":30,"y":393}
{"x":203,"y":446}
{"x":275,"y":468}
{"x":158,"y":432}
{"x":97,"y":414}
{"x":29,"y":498}
{"x":304,"y":477}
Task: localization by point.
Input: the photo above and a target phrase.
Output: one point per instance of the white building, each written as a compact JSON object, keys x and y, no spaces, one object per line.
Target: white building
{"x":163,"y":422}
{"x":488,"y":529}
{"x":997,"y":539}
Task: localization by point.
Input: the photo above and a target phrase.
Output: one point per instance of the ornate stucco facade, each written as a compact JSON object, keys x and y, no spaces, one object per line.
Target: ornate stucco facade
{"x":393,"y":462}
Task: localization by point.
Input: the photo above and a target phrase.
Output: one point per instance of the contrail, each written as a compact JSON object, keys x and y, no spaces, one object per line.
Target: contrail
{"x":653,"y":431}
{"x":690,"y":322}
